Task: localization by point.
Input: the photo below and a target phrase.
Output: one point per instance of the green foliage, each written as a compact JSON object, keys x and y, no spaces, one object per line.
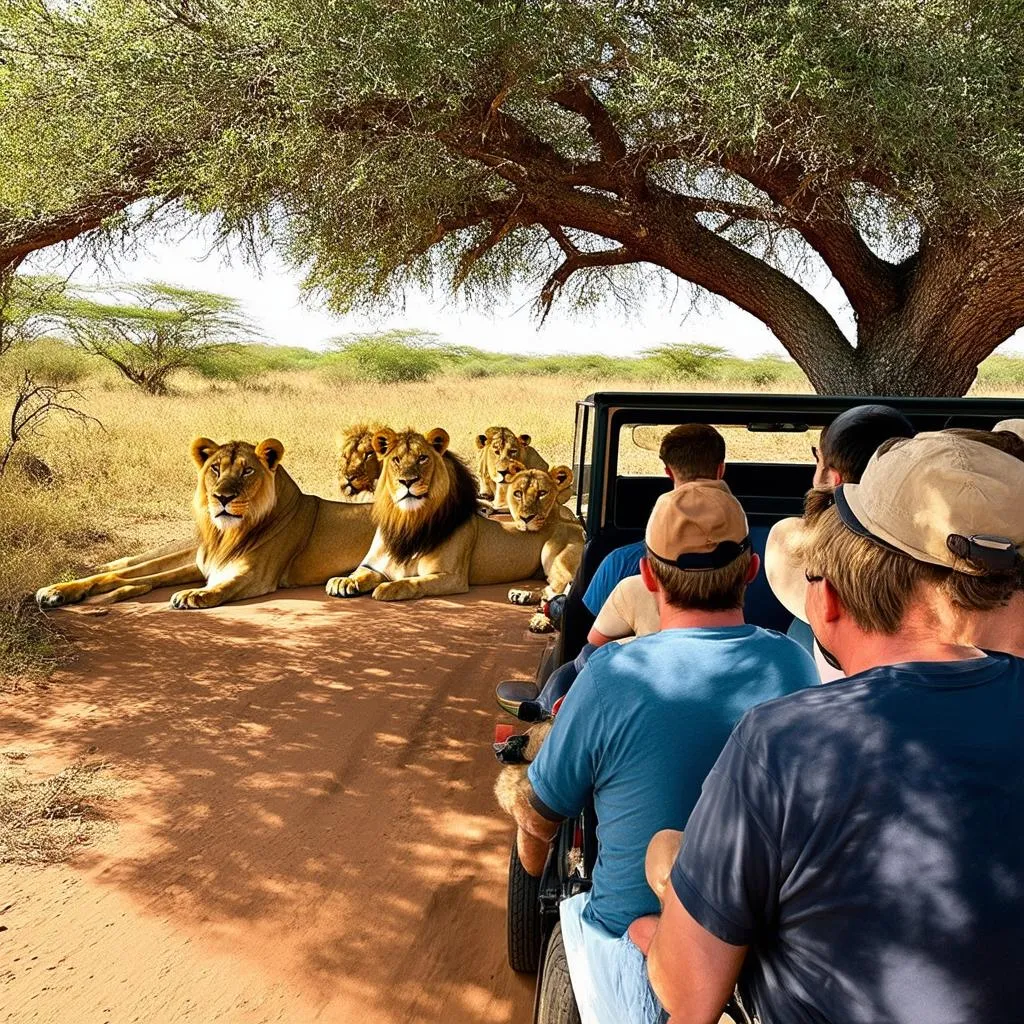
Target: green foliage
{"x":165,"y":329}
{"x":245,"y":363}
{"x":48,"y":359}
{"x":698,"y":361}
{"x":1001,"y":372}
{"x":393,"y":357}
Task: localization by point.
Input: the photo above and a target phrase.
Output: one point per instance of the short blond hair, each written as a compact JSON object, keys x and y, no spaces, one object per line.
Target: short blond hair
{"x":878,"y":584}
{"x":710,"y":590}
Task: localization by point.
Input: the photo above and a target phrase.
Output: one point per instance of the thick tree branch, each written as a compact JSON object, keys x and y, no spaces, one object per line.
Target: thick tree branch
{"x":580,"y":99}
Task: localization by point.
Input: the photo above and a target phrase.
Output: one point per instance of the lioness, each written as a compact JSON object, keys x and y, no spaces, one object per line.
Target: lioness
{"x":497,"y":445}
{"x":256,"y":532}
{"x":429,"y":539}
{"x":358,"y":464}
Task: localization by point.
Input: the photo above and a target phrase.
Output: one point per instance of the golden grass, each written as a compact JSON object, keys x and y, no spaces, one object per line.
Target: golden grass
{"x":128,"y":486}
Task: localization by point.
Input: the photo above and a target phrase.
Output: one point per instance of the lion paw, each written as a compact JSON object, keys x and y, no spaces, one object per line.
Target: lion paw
{"x":198,"y":598}
{"x":53,"y":597}
{"x":540,"y":623}
{"x":394,"y":590}
{"x":342,"y":586}
{"x":523,"y":596}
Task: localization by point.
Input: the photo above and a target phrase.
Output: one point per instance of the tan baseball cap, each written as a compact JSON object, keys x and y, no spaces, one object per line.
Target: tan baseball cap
{"x":943,"y":499}
{"x":1014,"y":426}
{"x":698,"y":526}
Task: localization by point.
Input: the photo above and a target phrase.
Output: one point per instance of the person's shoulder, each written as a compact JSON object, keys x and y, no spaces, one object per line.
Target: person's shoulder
{"x":779,"y":645}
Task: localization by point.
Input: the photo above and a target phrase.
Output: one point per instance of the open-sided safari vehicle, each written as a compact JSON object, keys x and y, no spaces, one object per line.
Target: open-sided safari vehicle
{"x":769,"y":468}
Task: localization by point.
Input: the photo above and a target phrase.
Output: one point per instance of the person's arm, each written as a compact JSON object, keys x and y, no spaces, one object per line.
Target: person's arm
{"x":562,"y":775}
{"x":611,"y":622}
{"x":692,"y":971}
{"x":533,"y":836}
{"x":724,"y":886}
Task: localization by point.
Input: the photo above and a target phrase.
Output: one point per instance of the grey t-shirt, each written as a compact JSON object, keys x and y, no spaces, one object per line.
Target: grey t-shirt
{"x":865,"y":839}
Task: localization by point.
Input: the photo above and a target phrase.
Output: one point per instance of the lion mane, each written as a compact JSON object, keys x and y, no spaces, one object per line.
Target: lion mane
{"x":452,"y":499}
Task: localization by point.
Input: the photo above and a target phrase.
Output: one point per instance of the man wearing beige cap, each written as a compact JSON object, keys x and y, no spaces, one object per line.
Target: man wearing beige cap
{"x":642,"y":725}
{"x":857,"y":851}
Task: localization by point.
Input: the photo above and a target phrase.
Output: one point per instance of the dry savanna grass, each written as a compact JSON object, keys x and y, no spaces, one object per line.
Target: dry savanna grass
{"x":43,"y":820}
{"x":127,"y":486}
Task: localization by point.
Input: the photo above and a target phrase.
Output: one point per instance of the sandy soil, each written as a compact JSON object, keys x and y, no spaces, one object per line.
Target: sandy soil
{"x":304,"y":835}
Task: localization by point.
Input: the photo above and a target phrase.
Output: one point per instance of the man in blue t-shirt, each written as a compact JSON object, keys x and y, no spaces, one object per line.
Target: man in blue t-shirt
{"x":857,"y":853}
{"x":642,"y":726}
{"x":691,"y":451}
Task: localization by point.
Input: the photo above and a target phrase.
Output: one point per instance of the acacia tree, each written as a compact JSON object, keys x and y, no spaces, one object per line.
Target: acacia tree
{"x":579,"y":144}
{"x":582,"y":145}
{"x":163,"y":329}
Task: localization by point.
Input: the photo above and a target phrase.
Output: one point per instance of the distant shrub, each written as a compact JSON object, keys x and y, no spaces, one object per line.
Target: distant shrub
{"x":685,"y":359}
{"x":51,"y":361}
{"x":245,"y":364}
{"x":1001,"y":372}
{"x":395,"y":357}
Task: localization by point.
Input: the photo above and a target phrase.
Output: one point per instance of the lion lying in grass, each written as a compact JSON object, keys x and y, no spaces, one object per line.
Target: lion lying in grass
{"x":256,"y":532}
{"x":358,"y":463}
{"x":496,"y":446}
{"x":430,"y":541}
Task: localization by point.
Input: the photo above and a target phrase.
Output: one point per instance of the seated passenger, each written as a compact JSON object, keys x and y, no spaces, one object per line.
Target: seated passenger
{"x":1001,"y":626}
{"x":856,"y":851}
{"x":642,"y":725}
{"x":630,"y":611}
{"x":846,"y":445}
{"x":843,"y":450}
{"x":691,"y":451}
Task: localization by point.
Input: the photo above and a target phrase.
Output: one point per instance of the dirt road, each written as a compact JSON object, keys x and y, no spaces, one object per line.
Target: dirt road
{"x":304,"y":835}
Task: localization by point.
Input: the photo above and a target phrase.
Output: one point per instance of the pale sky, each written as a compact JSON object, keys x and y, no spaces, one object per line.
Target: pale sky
{"x":273,"y":300}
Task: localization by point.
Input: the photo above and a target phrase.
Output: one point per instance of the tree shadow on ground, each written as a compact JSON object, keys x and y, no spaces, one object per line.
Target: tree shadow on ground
{"x":315,"y":786}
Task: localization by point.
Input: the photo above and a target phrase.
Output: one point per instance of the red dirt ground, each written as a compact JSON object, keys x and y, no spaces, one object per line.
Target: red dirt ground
{"x":304,"y":835}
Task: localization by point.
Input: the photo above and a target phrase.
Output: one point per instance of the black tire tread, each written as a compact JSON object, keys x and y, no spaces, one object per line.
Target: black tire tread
{"x":556,"y":1003}
{"x":523,"y":918}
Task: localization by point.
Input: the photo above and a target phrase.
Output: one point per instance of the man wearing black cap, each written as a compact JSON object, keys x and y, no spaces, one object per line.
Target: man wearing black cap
{"x":849,"y":441}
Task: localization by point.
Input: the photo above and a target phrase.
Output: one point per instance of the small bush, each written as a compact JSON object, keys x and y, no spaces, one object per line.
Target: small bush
{"x":51,"y":361}
{"x":684,"y":359}
{"x":392,"y":358}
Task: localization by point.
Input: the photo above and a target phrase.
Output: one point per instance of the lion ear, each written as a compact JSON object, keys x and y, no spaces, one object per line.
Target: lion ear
{"x":514,"y":467}
{"x":562,"y":475}
{"x":524,"y":440}
{"x":439,"y":440}
{"x":481,"y":440}
{"x":202,"y":449}
{"x":384,"y":440}
{"x":269,"y":452}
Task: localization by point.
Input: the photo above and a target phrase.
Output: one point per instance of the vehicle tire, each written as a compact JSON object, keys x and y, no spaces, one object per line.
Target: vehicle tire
{"x":522,"y":917}
{"x":556,"y":1003}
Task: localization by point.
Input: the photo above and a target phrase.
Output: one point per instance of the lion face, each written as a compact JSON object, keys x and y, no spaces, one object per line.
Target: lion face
{"x":534,"y":495}
{"x":236,"y":481}
{"x":498,"y":446}
{"x":358,"y":462}
{"x":411,"y":464}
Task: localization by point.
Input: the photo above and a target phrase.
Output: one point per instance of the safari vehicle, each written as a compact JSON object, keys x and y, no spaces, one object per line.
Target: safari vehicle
{"x":769,"y":468}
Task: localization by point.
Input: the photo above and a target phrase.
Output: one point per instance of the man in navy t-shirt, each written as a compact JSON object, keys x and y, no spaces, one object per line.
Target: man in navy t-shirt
{"x":691,"y":451}
{"x":857,"y":853}
{"x":642,"y":726}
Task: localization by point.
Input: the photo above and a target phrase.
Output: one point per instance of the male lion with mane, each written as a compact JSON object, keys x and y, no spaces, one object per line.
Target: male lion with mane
{"x":430,"y":541}
{"x":358,"y":463}
{"x":257,"y":531}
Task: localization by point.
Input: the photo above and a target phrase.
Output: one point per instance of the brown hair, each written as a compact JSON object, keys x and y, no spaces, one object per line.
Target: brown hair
{"x":715,"y":590}
{"x":693,"y":451}
{"x":878,"y":584}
